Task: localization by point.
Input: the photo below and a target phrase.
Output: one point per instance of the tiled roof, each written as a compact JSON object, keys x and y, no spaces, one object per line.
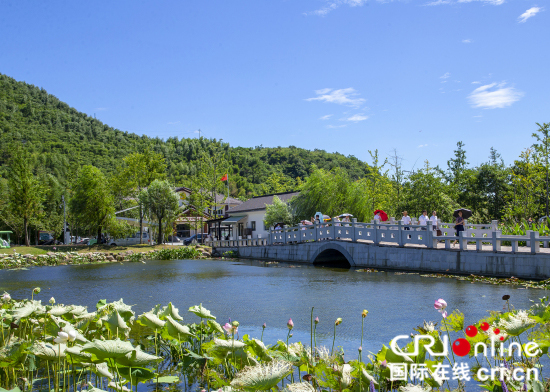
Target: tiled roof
{"x":259,"y":202}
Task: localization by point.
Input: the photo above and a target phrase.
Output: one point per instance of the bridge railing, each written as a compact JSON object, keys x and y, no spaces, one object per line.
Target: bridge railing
{"x":398,"y":234}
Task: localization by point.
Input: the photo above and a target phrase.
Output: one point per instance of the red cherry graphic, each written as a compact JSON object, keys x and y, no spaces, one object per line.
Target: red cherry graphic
{"x":484,"y":326}
{"x":502,"y":338}
{"x":496,"y":331}
{"x":461,"y":347}
{"x":471,"y":331}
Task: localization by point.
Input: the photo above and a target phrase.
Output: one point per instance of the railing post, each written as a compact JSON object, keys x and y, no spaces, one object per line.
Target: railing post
{"x":462,"y":241}
{"x":429,"y":235}
{"x":375,"y":232}
{"x":494,"y":225}
{"x":496,"y":241}
{"x":316,"y":229}
{"x":400,"y":234}
{"x":352,"y":227}
{"x":284,"y":232}
{"x":535,"y":244}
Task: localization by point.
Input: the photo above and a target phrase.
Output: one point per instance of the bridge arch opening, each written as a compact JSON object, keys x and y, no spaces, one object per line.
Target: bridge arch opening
{"x":332,"y":255}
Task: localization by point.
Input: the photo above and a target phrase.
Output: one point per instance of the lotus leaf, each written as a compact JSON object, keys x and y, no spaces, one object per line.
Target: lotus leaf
{"x":259,"y":349}
{"x":16,"y":389}
{"x":262,"y":377}
{"x":168,"y":379}
{"x":76,"y":354}
{"x":29,"y":308}
{"x":77,"y":310}
{"x":59,"y":310}
{"x":13,"y":352}
{"x":47,"y":351}
{"x":101,"y":369}
{"x":174,"y":330}
{"x":201,"y":312}
{"x":137,"y":374}
{"x":171,"y":311}
{"x":150,"y":320}
{"x":104,"y":349}
{"x":117,"y":387}
{"x":94,"y":389}
{"x":230,"y":345}
{"x":215,"y":327}
{"x":137,"y":358}
{"x":115,"y":323}
{"x":241,"y":357}
{"x":124,"y":310}
{"x":454,"y":322}
{"x":299,"y":387}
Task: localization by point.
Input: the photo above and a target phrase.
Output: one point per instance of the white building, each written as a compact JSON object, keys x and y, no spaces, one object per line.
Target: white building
{"x":248,"y":218}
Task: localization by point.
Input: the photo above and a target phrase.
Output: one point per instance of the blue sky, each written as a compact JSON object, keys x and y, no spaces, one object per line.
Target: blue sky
{"x":339,"y":75}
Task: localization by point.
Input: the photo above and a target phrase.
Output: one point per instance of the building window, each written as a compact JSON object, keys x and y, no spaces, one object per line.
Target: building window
{"x":253,"y":225}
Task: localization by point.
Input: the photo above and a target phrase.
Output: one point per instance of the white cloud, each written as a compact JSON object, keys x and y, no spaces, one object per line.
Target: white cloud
{"x":466,"y":41}
{"x":357,"y":118}
{"x":492,"y":96}
{"x":446,"y":76}
{"x":528,"y":14}
{"x":422,"y":145}
{"x":438,"y":2}
{"x":344,"y":96}
{"x":492,"y":2}
{"x":333,"y":4}
{"x":476,"y":82}
{"x":326,"y":117}
{"x":336,"y":126}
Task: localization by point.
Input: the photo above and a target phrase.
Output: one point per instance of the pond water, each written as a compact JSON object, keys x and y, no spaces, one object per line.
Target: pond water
{"x":255,"y":292}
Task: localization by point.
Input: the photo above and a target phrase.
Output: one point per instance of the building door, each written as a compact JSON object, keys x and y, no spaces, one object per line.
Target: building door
{"x":240,"y":231}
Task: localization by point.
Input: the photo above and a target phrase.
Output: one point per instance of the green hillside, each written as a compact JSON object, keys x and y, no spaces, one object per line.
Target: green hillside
{"x":65,"y":139}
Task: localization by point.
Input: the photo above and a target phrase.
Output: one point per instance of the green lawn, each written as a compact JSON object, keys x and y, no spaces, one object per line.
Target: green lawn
{"x":41,"y":250}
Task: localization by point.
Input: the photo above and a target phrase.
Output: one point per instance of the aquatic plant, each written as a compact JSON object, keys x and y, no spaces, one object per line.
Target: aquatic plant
{"x":63,"y":347}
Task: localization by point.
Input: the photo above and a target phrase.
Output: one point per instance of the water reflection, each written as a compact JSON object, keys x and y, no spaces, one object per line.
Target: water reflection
{"x":254,"y":292}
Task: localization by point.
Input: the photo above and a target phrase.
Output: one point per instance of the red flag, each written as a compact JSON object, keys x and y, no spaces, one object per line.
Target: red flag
{"x":224,"y":178}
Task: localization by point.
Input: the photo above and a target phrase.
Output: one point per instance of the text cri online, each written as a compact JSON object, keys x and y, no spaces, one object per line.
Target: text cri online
{"x":461,"y":347}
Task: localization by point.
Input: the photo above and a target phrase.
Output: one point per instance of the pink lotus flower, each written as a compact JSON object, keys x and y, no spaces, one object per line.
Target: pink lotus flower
{"x":228,"y":327}
{"x":440,"y":305}
{"x":290,"y":324}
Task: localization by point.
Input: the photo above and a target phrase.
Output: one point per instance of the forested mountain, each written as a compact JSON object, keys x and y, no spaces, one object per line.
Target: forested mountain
{"x":64,"y":139}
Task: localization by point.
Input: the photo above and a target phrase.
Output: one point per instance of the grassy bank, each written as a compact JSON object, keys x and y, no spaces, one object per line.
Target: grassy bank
{"x":44,"y":249}
{"x":99,"y":254}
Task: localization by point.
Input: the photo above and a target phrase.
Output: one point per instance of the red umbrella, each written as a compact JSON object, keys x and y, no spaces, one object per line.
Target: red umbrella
{"x":383,"y":215}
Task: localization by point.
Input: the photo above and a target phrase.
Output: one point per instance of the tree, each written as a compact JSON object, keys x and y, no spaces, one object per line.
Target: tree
{"x":278,"y":212}
{"x":162,"y":201}
{"x":542,"y":148}
{"x":457,"y":165}
{"x":141,"y":170}
{"x":426,"y":190}
{"x":25,"y":191}
{"x":92,"y":203}
{"x":524,"y":203}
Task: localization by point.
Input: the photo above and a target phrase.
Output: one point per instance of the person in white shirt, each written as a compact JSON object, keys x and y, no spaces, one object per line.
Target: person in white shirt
{"x":433,"y":220}
{"x":423,"y":219}
{"x":377,"y":218}
{"x":406,"y":220}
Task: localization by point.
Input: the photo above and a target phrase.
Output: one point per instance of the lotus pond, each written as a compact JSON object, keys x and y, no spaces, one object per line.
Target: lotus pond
{"x":163,"y":334}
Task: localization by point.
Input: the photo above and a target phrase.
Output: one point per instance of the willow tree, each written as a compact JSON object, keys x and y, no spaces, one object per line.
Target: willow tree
{"x":92,"y":203}
{"x":163,"y":202}
{"x":140,"y":170}
{"x":333,"y":193}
